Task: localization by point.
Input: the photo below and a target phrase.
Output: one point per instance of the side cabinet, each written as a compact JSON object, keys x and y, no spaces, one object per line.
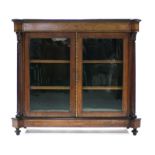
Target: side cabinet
{"x":76,"y":73}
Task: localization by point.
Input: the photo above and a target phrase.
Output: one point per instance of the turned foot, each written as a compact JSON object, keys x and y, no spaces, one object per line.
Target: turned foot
{"x":17,"y":131}
{"x":134,"y":131}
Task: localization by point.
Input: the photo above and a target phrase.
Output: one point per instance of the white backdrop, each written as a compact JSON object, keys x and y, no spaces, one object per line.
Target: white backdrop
{"x":78,"y":143}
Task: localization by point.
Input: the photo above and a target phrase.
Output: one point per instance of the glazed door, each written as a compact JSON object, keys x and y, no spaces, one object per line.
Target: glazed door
{"x":50,"y":74}
{"x":102,"y":74}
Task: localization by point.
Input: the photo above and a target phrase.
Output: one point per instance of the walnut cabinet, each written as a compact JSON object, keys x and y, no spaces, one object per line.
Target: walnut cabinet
{"x":76,"y":73}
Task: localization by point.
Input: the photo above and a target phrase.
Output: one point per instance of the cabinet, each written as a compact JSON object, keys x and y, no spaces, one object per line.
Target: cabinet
{"x":76,"y":73}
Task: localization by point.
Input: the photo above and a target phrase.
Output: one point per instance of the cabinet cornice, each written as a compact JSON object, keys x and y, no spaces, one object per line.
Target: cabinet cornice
{"x":87,"y":25}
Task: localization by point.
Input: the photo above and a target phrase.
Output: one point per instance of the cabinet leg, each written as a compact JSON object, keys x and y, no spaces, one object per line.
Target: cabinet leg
{"x":134,"y":131}
{"x":17,"y":131}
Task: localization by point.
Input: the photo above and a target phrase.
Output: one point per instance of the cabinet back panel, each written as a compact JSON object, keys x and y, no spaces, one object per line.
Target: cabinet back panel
{"x":102,"y":74}
{"x":102,"y":49}
{"x":50,"y":48}
{"x":49,"y":100}
{"x":102,"y":100}
{"x":50,"y":74}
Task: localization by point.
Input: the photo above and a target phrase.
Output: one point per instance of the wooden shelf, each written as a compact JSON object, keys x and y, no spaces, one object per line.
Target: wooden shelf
{"x":49,"y":88}
{"x":102,"y":88}
{"x":103,"y":61}
{"x":84,"y":61}
{"x":84,"y":88}
{"x":49,"y":61}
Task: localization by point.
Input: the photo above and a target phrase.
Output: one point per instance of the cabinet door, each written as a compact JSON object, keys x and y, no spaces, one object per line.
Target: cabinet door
{"x":102,"y":74}
{"x":50,"y":74}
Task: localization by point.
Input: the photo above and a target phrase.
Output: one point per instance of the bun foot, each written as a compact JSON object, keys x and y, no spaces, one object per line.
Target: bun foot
{"x":17,"y":131}
{"x":135,"y":131}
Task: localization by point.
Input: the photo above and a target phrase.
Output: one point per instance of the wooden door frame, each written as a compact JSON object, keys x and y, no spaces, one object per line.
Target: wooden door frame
{"x":27,"y":111}
{"x":125,"y":99}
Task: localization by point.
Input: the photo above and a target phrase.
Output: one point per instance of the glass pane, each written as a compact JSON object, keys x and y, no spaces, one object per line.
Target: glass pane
{"x":102,"y":100}
{"x":49,"y":100}
{"x":102,"y":49}
{"x":50,"y":48}
{"x":50,"y":74}
{"x":102,"y":74}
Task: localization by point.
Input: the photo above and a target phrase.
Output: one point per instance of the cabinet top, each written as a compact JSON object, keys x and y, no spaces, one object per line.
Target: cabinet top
{"x":71,"y":20}
{"x":76,"y":25}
